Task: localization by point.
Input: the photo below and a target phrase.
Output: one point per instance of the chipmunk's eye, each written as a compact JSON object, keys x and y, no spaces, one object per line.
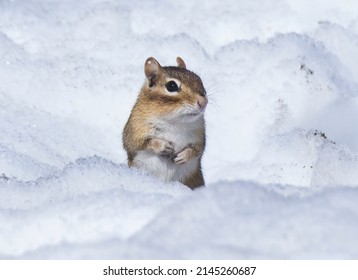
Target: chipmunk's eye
{"x":172,"y":86}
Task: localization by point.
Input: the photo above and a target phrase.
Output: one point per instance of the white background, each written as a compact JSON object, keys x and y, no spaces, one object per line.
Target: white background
{"x":43,"y":270}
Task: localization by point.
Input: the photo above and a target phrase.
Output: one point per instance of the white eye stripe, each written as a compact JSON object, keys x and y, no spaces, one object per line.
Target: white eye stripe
{"x":175,"y":88}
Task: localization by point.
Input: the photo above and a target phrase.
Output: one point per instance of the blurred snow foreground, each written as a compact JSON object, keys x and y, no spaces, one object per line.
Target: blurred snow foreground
{"x":281,"y":163}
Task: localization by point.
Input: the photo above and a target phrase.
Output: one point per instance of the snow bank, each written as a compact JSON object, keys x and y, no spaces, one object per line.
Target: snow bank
{"x":223,"y":221}
{"x":282,"y":149}
{"x":91,"y":199}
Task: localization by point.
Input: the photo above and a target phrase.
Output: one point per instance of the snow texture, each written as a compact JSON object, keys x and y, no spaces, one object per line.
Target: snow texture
{"x":281,"y":163}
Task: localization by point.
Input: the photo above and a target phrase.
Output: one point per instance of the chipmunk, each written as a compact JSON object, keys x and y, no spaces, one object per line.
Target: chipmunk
{"x":165,"y":132}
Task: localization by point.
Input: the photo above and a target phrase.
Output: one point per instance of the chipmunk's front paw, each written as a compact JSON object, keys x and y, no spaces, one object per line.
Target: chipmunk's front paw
{"x":184,"y":156}
{"x":161,"y":147}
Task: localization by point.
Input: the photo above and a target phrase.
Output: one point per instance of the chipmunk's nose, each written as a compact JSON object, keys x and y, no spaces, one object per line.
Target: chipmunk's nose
{"x":202,"y":102}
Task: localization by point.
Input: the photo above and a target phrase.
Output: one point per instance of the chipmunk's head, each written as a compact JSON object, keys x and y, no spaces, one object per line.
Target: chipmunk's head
{"x":179,"y":92}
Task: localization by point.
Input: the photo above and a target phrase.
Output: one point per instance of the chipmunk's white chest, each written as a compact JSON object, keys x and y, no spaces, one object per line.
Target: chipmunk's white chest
{"x":180,"y":135}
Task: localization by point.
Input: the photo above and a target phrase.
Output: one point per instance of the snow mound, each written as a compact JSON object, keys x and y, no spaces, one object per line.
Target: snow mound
{"x":235,"y":220}
{"x":89,"y":200}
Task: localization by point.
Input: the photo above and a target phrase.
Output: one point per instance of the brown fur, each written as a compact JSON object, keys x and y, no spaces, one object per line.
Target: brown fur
{"x":153,"y":101}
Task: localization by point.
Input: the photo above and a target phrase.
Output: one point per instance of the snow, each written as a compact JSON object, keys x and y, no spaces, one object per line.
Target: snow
{"x":282,"y":144}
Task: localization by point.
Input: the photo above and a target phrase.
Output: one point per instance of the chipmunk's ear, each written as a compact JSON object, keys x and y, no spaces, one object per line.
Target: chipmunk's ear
{"x":152,"y":70}
{"x":181,"y":62}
